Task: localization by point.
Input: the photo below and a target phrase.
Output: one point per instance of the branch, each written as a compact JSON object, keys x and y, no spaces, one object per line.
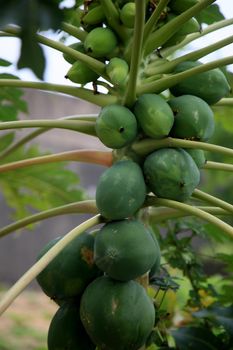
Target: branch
{"x":225,"y":102}
{"x":27,"y":278}
{"x":212,"y":200}
{"x":218,"y":166}
{"x":82,"y":207}
{"x":74,"y":31}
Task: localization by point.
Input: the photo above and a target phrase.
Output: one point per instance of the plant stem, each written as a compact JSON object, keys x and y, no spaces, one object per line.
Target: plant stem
{"x":225,"y":102}
{"x":85,"y":94}
{"x":212,"y":200}
{"x":82,"y":207}
{"x":167,"y":82}
{"x":192,"y":56}
{"x":113,"y":18}
{"x":74,"y":31}
{"x":86,"y":156}
{"x":27,"y":278}
{"x":80,"y":126}
{"x":218,"y":166}
{"x":130,"y":96}
{"x":192,"y":211}
{"x":149,"y":145}
{"x":163,"y":34}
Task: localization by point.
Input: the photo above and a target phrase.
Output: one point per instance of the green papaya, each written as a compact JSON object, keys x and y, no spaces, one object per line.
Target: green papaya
{"x":127,"y":14}
{"x":171,"y":173}
{"x":76,"y":46}
{"x":154,"y":115}
{"x":80,"y":73}
{"x":121,"y":190}
{"x":67,"y":275}
{"x":194,"y":119}
{"x":113,"y":256}
{"x":117,"y":70}
{"x":211,"y":86}
{"x":198,"y":156}
{"x":117,"y":315}
{"x":179,"y":6}
{"x":100,"y":42}
{"x":66,"y":331}
{"x":94,"y":16}
{"x":116,"y":126}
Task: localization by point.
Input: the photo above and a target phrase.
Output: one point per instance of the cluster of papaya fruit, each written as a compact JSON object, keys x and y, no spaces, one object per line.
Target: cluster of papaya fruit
{"x":95,"y":279}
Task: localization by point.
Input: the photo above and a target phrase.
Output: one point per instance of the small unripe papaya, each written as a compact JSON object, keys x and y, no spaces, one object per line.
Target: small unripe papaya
{"x":80,"y":73}
{"x":94,"y":16}
{"x":127,"y":14}
{"x":100,"y":42}
{"x":76,"y":46}
{"x":117,"y":69}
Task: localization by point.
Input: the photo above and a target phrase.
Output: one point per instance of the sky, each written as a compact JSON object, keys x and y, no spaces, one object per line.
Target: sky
{"x":57,"y":67}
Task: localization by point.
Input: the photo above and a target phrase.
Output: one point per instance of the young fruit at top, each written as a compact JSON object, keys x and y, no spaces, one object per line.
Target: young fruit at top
{"x":127,"y":14}
{"x":117,"y":70}
{"x":154,"y":115}
{"x":67,"y":275}
{"x":117,"y":315}
{"x":80,"y":73}
{"x":76,"y":46}
{"x":94,"y":16}
{"x":66,"y":331}
{"x":211,"y":86}
{"x":113,"y":256}
{"x":198,"y":156}
{"x":121,"y":190}
{"x":171,"y":173}
{"x":194,"y":119}
{"x":116,"y":126}
{"x":179,"y":6}
{"x":100,"y":42}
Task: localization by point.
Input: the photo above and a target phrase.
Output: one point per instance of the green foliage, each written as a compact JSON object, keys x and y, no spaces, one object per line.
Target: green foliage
{"x":210,"y":15}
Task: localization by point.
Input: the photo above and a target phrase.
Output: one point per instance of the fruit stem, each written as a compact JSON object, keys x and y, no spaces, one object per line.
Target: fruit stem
{"x":130,"y":95}
{"x":82,"y":207}
{"x":74,"y":31}
{"x":113,"y":18}
{"x":171,"y":80}
{"x":163,"y":34}
{"x":27,"y":278}
{"x":218,"y":166}
{"x":192,"y":211}
{"x":212,"y":200}
{"x":86,"y":156}
{"x":38,"y":132}
{"x":225,"y":102}
{"x":85,"y":94}
{"x":149,"y":145}
{"x":191,"y":37}
{"x":192,"y":56}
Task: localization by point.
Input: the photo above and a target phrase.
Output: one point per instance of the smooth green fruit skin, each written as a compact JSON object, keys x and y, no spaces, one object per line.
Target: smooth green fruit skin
{"x":116,"y":126}
{"x":80,"y":73}
{"x":198,"y":156}
{"x":171,"y":173}
{"x":127,"y":14}
{"x":121,"y":190}
{"x":154,"y":115}
{"x":94,"y":16}
{"x":67,"y":275}
{"x":117,"y":315}
{"x":125,"y":249}
{"x":179,"y":6}
{"x":100,"y":42}
{"x":211,"y":86}
{"x":194,"y":119}
{"x":66,"y":331}
{"x":76,"y":46}
{"x":117,"y":70}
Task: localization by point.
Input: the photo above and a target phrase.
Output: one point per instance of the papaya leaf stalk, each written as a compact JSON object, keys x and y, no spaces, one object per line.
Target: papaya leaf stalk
{"x":218,"y":166}
{"x":74,"y":31}
{"x":212,"y":200}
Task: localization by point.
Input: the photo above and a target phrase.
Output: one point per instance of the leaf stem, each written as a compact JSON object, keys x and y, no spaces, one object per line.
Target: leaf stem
{"x":88,"y":156}
{"x":113,"y":18}
{"x":85,"y":94}
{"x":74,"y":31}
{"x":27,"y":278}
{"x":218,"y":166}
{"x":130,"y":96}
{"x":212,"y":200}
{"x":149,"y":145}
{"x":192,"y":211}
{"x":82,"y":207}
{"x":225,"y":102}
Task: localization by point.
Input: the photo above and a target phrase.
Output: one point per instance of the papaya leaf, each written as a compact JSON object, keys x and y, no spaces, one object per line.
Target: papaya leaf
{"x":4,"y":63}
{"x":210,"y":15}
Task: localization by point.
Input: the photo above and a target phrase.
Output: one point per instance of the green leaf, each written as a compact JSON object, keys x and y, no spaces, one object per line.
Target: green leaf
{"x":4,"y":63}
{"x":210,"y":15}
{"x":6,"y":140}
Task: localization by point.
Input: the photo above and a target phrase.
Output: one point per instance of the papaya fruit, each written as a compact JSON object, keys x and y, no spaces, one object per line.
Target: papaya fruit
{"x":80,"y":73}
{"x":76,"y":46}
{"x":67,"y":275}
{"x":121,"y":190}
{"x":94,"y":16}
{"x":211,"y":86}
{"x":171,"y":173}
{"x":113,"y":256}
{"x":127,"y":14}
{"x":154,"y":115}
{"x":100,"y":42}
{"x":179,"y":6}
{"x":117,"y":315}
{"x":66,"y":331}
{"x":194,"y":119}
{"x":198,"y":156}
{"x":116,"y":126}
{"x":117,"y":70}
